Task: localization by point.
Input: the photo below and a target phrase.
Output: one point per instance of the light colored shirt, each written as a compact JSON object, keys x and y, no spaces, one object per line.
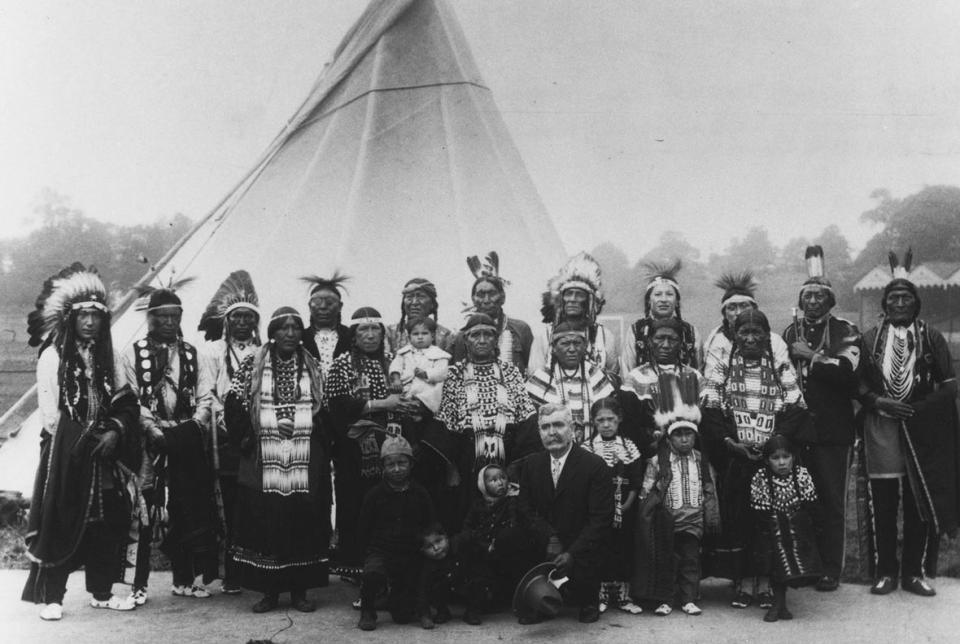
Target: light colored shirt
{"x":557,"y":463}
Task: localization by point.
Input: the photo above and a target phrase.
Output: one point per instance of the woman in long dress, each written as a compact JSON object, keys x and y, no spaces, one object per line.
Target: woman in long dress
{"x":283,"y":499}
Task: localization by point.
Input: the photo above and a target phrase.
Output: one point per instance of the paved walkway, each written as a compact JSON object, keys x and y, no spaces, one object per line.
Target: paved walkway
{"x":848,"y":615}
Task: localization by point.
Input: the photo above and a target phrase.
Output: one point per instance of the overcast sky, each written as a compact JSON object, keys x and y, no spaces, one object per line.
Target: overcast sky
{"x":702,"y":117}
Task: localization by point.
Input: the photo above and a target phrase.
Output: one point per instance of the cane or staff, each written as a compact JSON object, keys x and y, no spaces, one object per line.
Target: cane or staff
{"x":798,"y":330}
{"x":217,"y":492}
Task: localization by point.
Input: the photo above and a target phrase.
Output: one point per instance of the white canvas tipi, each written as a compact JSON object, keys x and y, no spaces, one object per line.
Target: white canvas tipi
{"x":397,"y":165}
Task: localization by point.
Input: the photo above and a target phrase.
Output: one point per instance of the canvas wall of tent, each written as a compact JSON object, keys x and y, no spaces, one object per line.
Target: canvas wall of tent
{"x":397,"y":165}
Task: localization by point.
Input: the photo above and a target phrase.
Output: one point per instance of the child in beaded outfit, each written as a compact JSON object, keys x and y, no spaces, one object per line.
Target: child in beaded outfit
{"x":678,"y":504}
{"x":626,"y":467}
{"x":420,"y":367}
{"x":783,"y":495}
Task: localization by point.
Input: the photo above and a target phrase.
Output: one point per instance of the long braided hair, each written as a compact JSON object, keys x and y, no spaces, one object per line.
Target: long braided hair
{"x":71,"y":374}
{"x":755,"y":316}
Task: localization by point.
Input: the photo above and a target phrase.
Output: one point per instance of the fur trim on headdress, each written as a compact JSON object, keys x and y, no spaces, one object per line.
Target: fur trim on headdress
{"x":662,"y":273}
{"x":335,"y":283}
{"x":581,"y":271}
{"x":236,"y":291}
{"x":677,"y":402}
{"x":737,"y":286}
{"x":73,"y":287}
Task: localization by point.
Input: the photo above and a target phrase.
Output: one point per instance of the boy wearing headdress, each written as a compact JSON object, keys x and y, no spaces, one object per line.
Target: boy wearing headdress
{"x":679,"y":505}
{"x":826,"y":352}
{"x":90,"y":446}
{"x":162,"y":369}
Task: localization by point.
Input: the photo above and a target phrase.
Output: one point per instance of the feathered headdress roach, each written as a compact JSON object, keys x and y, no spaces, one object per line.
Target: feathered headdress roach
{"x":154,"y":298}
{"x":657,"y":274}
{"x":677,"y":402}
{"x":737,"y":287}
{"x":73,"y":288}
{"x":235,"y":292}
{"x":486,"y":269}
{"x":816,"y":274}
{"x":583,"y":272}
{"x":335,"y":283}
{"x":661,"y":275}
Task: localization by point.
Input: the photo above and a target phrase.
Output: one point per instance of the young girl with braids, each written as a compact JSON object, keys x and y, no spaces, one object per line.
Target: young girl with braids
{"x":745,"y":402}
{"x":626,"y":468}
{"x":784,"y":499}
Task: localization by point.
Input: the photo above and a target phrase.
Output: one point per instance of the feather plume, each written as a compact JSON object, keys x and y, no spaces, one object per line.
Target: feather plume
{"x":653,"y":270}
{"x":814,"y":260}
{"x":146,"y":291}
{"x":900,"y":270}
{"x":334,"y":283}
{"x":236,"y":289}
{"x":677,"y":402}
{"x":60,"y":292}
{"x":488,"y":267}
{"x":737,"y":282}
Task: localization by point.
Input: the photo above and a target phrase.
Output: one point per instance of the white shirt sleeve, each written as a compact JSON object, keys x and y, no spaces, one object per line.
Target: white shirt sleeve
{"x":48,"y":390}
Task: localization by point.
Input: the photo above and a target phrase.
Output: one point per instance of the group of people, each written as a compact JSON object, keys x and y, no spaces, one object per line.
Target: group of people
{"x":492,"y":461}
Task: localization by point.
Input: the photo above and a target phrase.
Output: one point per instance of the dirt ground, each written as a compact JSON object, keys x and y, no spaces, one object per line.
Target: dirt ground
{"x":847,"y":615}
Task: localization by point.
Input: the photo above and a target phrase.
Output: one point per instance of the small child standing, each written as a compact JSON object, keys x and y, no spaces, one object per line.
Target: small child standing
{"x":678,"y":505}
{"x":783,"y":495}
{"x":393,"y":517}
{"x":626,"y":467}
{"x":433,"y":589}
{"x":419,"y":368}
{"x":495,"y":547}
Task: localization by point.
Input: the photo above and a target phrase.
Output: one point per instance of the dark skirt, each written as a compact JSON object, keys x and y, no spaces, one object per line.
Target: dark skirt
{"x":730,"y":556}
{"x":786,"y":548}
{"x":280,"y":542}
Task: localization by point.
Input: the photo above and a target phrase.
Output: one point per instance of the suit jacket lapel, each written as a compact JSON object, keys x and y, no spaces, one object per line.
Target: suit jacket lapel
{"x":566,"y":473}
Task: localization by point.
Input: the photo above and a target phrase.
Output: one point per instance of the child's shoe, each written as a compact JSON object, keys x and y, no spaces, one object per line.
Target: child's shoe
{"x":629,"y":607}
{"x":742,"y":600}
{"x":427,"y":623}
{"x":663,"y":610}
{"x":765,"y":599}
{"x":691,"y":609}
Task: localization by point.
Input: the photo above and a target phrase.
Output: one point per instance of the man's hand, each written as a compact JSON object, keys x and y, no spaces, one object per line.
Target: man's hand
{"x":894,"y":408}
{"x":741,"y":450}
{"x":800,"y":350}
{"x":107,"y":445}
{"x":564,"y":563}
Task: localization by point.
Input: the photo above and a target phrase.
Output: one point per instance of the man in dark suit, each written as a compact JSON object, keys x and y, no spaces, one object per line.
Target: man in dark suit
{"x":567,"y":494}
